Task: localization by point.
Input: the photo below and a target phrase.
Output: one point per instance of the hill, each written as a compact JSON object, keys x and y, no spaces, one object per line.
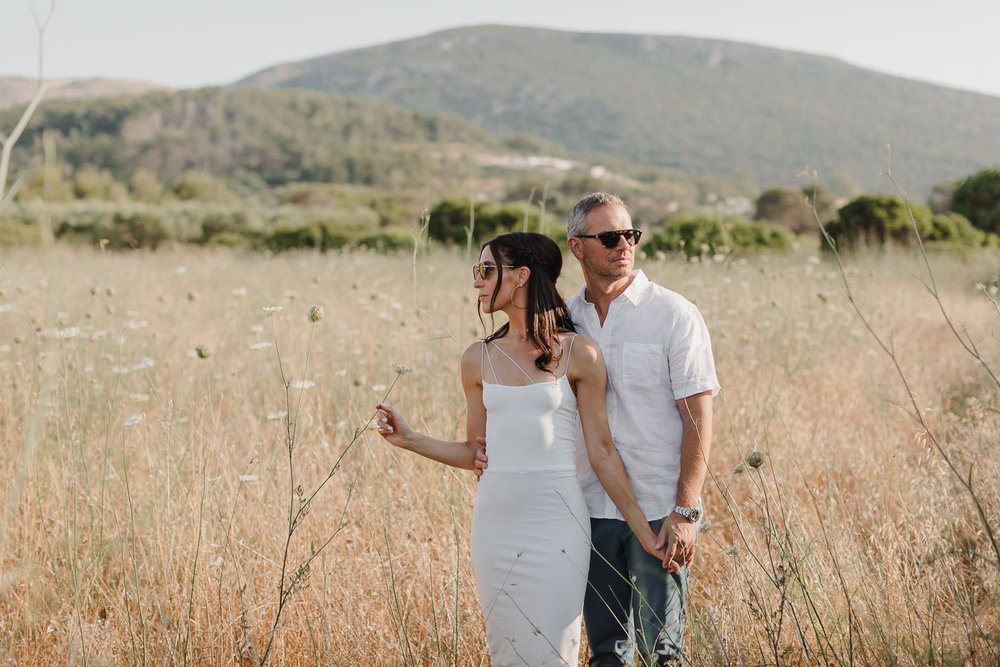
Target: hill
{"x":271,"y":136}
{"x":258,"y":140}
{"x":705,"y":107}
{"x":16,"y":90}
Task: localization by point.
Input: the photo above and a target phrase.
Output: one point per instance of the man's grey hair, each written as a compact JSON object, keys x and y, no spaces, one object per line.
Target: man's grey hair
{"x":574,"y":224}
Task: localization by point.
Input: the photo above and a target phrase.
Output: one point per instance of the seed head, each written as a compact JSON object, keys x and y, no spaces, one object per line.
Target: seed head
{"x":203,"y":351}
{"x":270,"y":310}
{"x":401,"y":368}
{"x":755,"y":459}
{"x":316,"y":313}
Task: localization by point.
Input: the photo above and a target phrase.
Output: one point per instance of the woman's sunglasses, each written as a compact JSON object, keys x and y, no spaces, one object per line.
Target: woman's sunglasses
{"x":482,"y":270}
{"x":610,"y":239}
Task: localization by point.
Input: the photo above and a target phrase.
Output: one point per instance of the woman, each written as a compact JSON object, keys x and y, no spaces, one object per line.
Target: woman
{"x":525,"y":386}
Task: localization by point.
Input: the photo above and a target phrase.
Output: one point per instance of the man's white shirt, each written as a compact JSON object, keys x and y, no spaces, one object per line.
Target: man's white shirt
{"x":658,"y":351}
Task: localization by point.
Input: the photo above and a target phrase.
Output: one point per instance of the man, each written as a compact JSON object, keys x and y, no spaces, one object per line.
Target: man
{"x":661,"y":379}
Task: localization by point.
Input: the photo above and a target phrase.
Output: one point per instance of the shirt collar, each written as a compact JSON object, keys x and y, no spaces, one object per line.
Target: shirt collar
{"x":633,"y":293}
{"x":636,"y":288}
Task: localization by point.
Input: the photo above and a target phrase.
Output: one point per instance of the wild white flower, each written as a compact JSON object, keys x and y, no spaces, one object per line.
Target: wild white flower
{"x":240,"y":291}
{"x":69,"y":332}
{"x":270,"y":310}
{"x":133,"y":420}
{"x":395,"y":305}
{"x":248,"y":478}
{"x":341,"y":373}
{"x":356,"y":351}
{"x":213,"y":480}
{"x":263,"y":345}
{"x":384,"y":316}
{"x":257,"y":328}
{"x":303,"y":384}
{"x":401,"y":368}
{"x":378,"y":388}
{"x":4,"y":348}
{"x":215,"y":564}
{"x":140,"y":398}
{"x":5,"y":307}
{"x":135,"y":325}
{"x":181,"y":270}
{"x":143,"y":364}
{"x":275,"y":416}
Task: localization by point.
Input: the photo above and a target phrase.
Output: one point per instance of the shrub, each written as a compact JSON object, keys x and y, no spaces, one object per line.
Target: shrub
{"x":137,"y":230}
{"x":145,"y":186}
{"x":202,"y":186}
{"x":218,"y":223}
{"x":89,"y":182}
{"x":19,"y":233}
{"x":46,"y":182}
{"x":978,"y":199}
{"x":322,"y":235}
{"x":388,"y":240}
{"x":699,"y":234}
{"x":954,"y":230}
{"x":449,"y":220}
{"x":291,"y":238}
{"x":792,"y":208}
{"x":874,"y":220}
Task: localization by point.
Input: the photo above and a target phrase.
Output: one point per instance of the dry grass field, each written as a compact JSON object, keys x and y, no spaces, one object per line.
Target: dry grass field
{"x":147,"y":491}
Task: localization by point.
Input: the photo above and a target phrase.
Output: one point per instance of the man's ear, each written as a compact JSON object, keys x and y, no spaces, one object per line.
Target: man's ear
{"x":575,"y":247}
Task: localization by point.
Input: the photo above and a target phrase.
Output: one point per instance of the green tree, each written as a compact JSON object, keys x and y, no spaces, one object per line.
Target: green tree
{"x":978,"y":199}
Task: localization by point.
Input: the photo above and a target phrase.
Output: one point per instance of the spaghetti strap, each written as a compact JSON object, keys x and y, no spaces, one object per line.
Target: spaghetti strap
{"x":486,"y":353}
{"x":511,"y":361}
{"x":569,"y":354}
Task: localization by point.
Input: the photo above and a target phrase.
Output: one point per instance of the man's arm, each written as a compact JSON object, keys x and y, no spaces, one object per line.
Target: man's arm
{"x":679,"y":534}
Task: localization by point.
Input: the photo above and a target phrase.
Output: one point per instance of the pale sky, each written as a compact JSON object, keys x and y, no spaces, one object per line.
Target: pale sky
{"x":189,"y":43}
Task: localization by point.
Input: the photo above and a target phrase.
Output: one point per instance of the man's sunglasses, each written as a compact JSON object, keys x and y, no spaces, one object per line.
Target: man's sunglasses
{"x":610,"y":239}
{"x":483,"y":270}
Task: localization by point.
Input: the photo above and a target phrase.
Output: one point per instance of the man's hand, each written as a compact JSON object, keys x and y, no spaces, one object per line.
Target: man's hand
{"x":481,"y":462}
{"x":678,"y":536}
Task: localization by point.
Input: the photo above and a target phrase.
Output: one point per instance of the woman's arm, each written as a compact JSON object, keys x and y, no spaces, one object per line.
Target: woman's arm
{"x":589,"y":377}
{"x":459,"y":454}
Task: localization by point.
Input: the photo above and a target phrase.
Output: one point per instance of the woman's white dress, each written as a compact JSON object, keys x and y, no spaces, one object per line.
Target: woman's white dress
{"x":530,"y":525}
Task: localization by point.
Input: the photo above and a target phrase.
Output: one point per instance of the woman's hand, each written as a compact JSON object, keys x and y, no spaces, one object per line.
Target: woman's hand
{"x":392,"y":426}
{"x":651,"y":544}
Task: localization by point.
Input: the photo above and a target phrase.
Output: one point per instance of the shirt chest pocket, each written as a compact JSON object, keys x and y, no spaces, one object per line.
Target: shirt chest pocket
{"x":642,"y":364}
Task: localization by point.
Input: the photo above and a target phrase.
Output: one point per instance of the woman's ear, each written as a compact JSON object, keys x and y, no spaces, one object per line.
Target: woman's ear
{"x":523,"y":275}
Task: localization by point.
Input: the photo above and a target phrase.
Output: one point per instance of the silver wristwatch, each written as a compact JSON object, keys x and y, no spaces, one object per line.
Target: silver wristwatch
{"x":692,"y":514}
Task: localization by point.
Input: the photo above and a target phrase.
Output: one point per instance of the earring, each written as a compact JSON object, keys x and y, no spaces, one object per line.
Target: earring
{"x":514,"y":292}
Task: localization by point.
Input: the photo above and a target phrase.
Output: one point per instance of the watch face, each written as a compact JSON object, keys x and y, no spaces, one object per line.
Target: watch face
{"x":695,"y":514}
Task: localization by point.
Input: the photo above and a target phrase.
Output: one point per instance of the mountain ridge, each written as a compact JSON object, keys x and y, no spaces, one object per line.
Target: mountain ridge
{"x":703,"y":106}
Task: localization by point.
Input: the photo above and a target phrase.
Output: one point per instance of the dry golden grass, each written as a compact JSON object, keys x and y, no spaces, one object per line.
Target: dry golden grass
{"x":146,"y":489}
